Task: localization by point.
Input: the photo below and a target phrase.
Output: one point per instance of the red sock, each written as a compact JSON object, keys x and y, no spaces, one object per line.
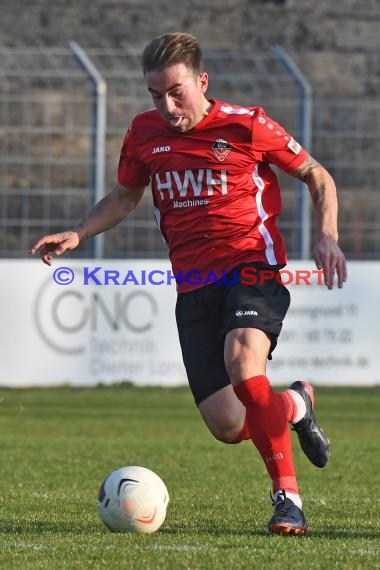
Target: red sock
{"x":268,"y":428}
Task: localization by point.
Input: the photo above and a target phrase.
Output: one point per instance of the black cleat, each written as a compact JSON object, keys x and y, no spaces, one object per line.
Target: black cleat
{"x":314,"y":442}
{"x":288,"y":519}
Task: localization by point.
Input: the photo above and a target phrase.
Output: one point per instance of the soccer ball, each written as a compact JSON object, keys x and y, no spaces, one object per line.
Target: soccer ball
{"x":133,"y":499}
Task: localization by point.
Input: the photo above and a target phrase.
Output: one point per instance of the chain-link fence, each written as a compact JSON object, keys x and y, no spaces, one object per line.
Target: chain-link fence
{"x":47,"y":134}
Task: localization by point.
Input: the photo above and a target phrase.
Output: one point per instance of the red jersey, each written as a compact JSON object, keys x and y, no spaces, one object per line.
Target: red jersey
{"x":216,"y":199}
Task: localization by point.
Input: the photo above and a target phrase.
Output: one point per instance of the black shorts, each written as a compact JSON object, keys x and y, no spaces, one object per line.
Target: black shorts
{"x":206,"y":315}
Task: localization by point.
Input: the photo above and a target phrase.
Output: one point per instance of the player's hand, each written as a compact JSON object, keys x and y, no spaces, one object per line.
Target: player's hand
{"x":55,"y":243}
{"x":329,"y":257}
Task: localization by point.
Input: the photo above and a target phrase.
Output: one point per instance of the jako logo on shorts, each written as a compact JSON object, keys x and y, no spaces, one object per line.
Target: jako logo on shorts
{"x":241,"y":313}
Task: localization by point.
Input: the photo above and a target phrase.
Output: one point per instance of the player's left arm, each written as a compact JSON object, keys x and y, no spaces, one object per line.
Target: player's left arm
{"x":327,"y":253}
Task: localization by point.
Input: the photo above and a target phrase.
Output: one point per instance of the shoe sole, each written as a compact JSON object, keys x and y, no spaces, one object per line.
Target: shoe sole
{"x":286,"y":530}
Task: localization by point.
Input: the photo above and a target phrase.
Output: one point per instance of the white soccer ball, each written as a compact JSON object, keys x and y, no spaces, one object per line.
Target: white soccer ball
{"x":133,"y":499}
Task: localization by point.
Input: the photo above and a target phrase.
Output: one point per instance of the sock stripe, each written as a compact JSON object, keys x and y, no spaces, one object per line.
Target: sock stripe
{"x":300,"y":406}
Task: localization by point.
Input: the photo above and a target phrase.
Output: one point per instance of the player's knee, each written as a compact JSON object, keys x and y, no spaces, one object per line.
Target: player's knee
{"x":238,"y":370}
{"x":227,"y":434}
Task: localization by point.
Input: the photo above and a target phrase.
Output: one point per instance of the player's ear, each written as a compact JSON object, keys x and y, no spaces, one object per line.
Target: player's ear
{"x":203,"y":81}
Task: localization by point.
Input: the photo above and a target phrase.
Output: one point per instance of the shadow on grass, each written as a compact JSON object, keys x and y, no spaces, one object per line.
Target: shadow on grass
{"x":83,"y":528}
{"x":20,"y":527}
{"x":225,"y":531}
{"x":90,"y":528}
{"x":214,"y":532}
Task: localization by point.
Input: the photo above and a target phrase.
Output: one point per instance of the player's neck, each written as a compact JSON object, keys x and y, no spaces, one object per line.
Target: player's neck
{"x":206,"y":109}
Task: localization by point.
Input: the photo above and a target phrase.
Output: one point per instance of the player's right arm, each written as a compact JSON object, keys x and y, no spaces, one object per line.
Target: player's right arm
{"x":108,"y":212}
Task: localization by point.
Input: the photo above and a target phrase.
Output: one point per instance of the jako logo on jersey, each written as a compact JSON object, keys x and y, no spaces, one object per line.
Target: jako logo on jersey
{"x":221,"y":149}
{"x":201,"y":181}
{"x":241,"y":313}
{"x":157,"y":149}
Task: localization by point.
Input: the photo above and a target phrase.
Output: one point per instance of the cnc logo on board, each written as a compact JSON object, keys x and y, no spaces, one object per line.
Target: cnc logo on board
{"x":66,"y":318}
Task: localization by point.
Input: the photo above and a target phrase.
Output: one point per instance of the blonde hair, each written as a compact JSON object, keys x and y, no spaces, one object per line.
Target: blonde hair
{"x":170,"y":49}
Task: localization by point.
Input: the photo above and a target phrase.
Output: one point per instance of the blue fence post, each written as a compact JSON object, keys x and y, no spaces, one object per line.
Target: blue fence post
{"x":98,"y":139}
{"x":305,"y":138}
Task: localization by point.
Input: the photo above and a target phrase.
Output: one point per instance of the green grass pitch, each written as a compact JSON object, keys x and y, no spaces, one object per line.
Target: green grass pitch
{"x":58,"y":444}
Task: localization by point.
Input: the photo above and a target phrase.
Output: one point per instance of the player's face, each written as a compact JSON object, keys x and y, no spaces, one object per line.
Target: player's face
{"x":178,"y":95}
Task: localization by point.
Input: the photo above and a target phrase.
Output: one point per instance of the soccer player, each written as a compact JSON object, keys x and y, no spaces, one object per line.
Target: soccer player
{"x":216,"y":200}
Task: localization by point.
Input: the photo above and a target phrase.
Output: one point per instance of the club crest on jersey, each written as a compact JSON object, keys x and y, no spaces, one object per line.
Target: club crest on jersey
{"x":221,"y":149}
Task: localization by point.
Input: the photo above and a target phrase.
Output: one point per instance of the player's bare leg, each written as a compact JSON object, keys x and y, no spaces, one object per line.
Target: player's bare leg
{"x":245,"y":353}
{"x":224,"y":415}
{"x":223,"y":412}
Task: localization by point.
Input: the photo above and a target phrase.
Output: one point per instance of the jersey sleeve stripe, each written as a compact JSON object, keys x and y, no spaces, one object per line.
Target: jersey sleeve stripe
{"x":269,"y":250}
{"x":236,"y":110}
